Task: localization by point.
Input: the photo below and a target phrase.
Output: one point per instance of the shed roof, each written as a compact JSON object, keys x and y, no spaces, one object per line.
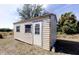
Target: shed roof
{"x":38,"y":17}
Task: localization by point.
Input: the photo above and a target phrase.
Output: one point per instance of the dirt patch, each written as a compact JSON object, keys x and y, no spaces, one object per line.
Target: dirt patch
{"x":74,"y":38}
{"x":5,"y":34}
{"x":9,"y":46}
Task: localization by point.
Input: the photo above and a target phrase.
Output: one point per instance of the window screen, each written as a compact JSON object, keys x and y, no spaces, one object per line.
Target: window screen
{"x":17,"y":28}
{"x":37,"y":29}
{"x":27,"y":28}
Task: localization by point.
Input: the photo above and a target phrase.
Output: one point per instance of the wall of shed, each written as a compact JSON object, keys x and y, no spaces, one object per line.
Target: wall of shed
{"x":46,"y":34}
{"x":26,"y":37}
{"x":49,"y":32}
{"x":53,"y":30}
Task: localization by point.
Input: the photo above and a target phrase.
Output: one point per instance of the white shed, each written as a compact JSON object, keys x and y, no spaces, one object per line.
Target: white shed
{"x":39,"y":31}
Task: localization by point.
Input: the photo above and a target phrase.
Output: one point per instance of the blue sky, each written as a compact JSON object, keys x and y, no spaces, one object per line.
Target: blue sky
{"x":59,"y":9}
{"x":9,"y":15}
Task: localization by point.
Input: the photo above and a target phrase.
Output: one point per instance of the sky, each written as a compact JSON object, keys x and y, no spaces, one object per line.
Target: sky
{"x":59,"y":9}
{"x":9,"y":14}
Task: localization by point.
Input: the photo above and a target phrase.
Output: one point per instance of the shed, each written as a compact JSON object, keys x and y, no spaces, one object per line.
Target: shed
{"x":39,"y":31}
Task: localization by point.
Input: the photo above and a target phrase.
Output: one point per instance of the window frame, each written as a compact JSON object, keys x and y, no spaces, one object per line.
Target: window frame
{"x":37,"y":29}
{"x":28,"y":28}
{"x":17,"y":28}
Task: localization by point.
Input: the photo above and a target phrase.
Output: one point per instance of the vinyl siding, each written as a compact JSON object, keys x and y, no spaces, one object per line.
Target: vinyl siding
{"x":53,"y":30}
{"x":46,"y":34}
{"x":26,"y":37}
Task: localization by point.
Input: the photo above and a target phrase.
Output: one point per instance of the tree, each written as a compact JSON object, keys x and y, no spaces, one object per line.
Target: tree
{"x":29,"y":11}
{"x":78,"y":27}
{"x":5,"y":30}
{"x":68,"y":23}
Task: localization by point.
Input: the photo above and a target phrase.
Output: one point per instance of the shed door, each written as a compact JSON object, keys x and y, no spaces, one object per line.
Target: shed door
{"x":37,"y":33}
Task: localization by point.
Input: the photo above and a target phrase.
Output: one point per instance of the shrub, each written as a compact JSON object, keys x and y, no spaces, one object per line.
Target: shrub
{"x":11,"y":33}
{"x":1,"y":36}
{"x":68,"y":24}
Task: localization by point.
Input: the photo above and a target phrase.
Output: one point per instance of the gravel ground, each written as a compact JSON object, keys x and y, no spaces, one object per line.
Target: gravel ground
{"x":9,"y":46}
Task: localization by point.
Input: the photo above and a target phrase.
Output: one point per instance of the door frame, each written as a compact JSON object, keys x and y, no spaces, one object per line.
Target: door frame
{"x":40,"y":34}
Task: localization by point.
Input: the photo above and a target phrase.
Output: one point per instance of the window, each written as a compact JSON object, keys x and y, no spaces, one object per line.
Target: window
{"x":17,"y":28}
{"x":37,"y":29}
{"x":27,"y":28}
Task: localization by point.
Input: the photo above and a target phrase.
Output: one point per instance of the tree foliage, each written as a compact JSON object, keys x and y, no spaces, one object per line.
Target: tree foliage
{"x":5,"y":30}
{"x":30,"y":11}
{"x":68,"y":23}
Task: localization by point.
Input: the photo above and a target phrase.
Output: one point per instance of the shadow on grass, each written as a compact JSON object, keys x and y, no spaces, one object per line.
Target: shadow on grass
{"x":68,"y":47}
